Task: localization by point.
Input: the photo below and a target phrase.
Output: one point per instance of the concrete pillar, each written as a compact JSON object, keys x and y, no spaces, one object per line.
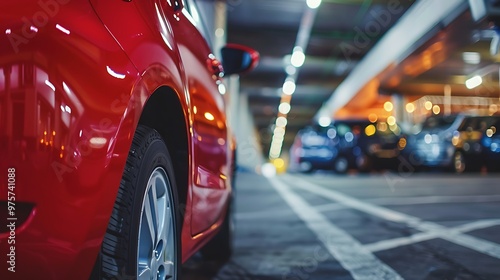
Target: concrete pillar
{"x":398,"y":102}
{"x":249,"y":153}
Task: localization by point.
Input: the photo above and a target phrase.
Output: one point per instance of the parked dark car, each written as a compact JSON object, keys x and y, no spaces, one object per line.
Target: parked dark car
{"x":382,"y":144}
{"x":490,"y":142}
{"x":344,"y":145}
{"x":469,"y":154}
{"x":312,"y":150}
{"x":451,"y":142}
{"x":355,"y":147}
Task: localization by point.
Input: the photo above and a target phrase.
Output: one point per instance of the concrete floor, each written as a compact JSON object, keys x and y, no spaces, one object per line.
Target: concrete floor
{"x":375,"y":226}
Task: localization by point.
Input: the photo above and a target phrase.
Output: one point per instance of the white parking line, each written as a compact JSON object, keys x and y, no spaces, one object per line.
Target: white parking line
{"x":424,"y":236}
{"x":351,"y":254}
{"x":433,"y":199}
{"x":254,"y":215}
{"x":477,"y":244}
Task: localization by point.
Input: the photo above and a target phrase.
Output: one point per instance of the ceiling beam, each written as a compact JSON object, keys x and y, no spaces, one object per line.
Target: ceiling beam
{"x":398,"y":42}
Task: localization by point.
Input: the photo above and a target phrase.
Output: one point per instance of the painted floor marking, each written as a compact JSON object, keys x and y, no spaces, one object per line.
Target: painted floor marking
{"x":433,"y":199}
{"x":483,"y":246}
{"x":284,"y":213}
{"x":351,"y":254}
{"x":424,"y":236}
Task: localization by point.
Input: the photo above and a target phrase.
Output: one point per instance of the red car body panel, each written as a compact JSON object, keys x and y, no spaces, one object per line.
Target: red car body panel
{"x":74,"y":79}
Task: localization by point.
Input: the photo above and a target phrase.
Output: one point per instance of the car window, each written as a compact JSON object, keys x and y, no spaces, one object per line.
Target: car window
{"x":438,"y":122}
{"x":198,"y":12}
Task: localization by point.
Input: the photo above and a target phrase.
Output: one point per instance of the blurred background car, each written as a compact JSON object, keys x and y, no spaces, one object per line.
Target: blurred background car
{"x":349,"y":137}
{"x":344,"y":145}
{"x":451,"y":142}
{"x":428,"y":147}
{"x":312,"y":150}
{"x":382,"y":143}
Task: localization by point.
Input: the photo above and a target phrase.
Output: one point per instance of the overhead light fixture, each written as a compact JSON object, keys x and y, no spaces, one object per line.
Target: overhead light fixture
{"x":391,"y":120}
{"x":388,"y":106}
{"x":284,"y":108}
{"x":474,"y":82}
{"x":298,"y":57}
{"x":289,"y":87}
{"x":410,"y":108}
{"x":291,"y":70}
{"x":324,"y":121}
{"x":281,"y":122}
{"x":436,"y":109}
{"x":428,"y":105}
{"x":313,"y":4}
{"x":471,"y":57}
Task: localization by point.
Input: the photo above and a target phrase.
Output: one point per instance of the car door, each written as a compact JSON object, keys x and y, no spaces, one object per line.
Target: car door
{"x":203,"y":71}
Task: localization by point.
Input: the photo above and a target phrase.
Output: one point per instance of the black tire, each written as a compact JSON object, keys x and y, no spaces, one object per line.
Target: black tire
{"x":220,"y":247}
{"x":125,"y":250}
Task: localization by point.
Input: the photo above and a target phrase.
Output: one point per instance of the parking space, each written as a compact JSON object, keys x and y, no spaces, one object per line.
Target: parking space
{"x":375,"y":226}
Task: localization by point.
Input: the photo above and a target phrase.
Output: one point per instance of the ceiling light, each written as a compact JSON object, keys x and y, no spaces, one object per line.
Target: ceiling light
{"x":324,"y":121}
{"x":436,"y":109}
{"x":474,"y":82}
{"x":290,"y":70}
{"x":388,"y":106}
{"x":281,"y":121}
{"x":410,"y":108}
{"x":313,"y":4}
{"x":471,"y":57}
{"x":391,"y":120}
{"x":298,"y":57}
{"x":279,"y":131}
{"x":284,"y":108}
{"x":428,"y":105}
{"x":289,"y":87}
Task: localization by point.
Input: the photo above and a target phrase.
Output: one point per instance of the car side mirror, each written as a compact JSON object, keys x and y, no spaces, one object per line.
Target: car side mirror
{"x":238,"y":59}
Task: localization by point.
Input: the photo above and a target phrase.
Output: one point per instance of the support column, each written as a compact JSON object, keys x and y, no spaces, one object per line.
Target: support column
{"x":398,"y":102}
{"x":447,"y":100}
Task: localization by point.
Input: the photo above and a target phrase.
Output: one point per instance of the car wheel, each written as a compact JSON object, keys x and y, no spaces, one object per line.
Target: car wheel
{"x":306,"y":167}
{"x":143,"y":236}
{"x":220,"y":248}
{"x":341,"y":165}
{"x":459,"y":164}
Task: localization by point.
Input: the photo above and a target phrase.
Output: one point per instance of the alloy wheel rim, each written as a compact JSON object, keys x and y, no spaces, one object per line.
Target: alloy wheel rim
{"x":156,"y":244}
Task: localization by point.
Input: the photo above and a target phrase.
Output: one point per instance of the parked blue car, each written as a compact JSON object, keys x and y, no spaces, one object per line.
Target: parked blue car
{"x":453,"y":142}
{"x":344,"y":145}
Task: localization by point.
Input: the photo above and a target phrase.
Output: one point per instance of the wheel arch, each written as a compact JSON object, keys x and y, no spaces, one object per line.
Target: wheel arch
{"x":164,"y":112}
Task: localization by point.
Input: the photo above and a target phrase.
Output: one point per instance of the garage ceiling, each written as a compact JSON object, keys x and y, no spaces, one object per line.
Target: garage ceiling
{"x":342,"y":33}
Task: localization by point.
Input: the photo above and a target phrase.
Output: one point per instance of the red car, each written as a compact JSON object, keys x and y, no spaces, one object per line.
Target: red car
{"x":116,"y":160}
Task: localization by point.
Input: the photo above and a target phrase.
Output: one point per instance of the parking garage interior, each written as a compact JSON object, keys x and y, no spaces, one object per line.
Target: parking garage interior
{"x":365,"y":143}
{"x":390,"y":65}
